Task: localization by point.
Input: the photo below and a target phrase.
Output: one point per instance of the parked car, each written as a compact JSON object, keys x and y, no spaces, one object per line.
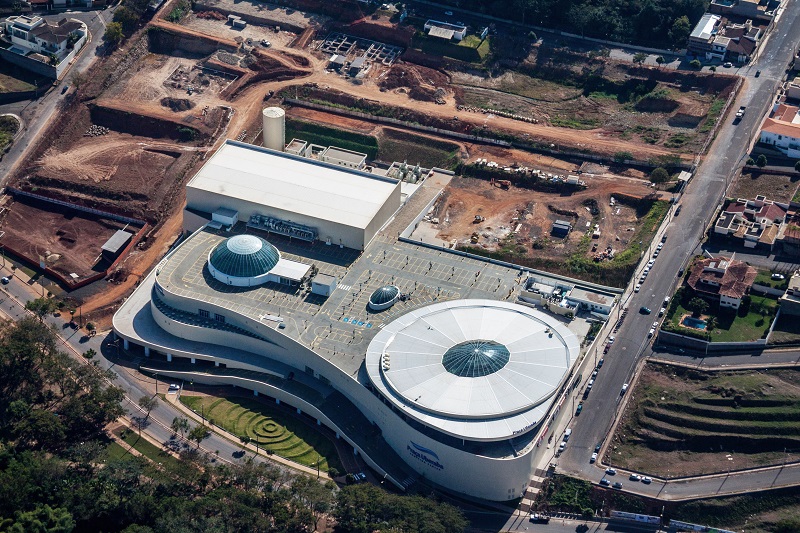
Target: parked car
{"x":651,"y":332}
{"x":606,"y":349}
{"x":635,"y":477}
{"x":538,"y":518}
{"x":778,"y":277}
{"x":647,"y":480}
{"x":611,"y":339}
{"x":645,"y":310}
{"x":727,"y":64}
{"x":174,"y":387}
{"x":600,"y":363}
{"x":678,"y":210}
{"x":594,"y":457}
{"x":624,"y":388}
{"x":662,"y":311}
{"x":611,"y":471}
{"x":758,"y":73}
{"x":579,"y":409}
{"x":605,"y":482}
{"x":597,"y":448}
{"x":655,"y":324}
{"x":617,"y":485}
{"x":681,"y":271}
{"x":637,"y":288}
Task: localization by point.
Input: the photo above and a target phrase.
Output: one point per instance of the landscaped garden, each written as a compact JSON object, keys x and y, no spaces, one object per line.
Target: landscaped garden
{"x":272,"y":430}
{"x":693,"y":316}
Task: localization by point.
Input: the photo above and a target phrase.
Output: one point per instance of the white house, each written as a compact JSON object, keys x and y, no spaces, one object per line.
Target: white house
{"x":31,"y":33}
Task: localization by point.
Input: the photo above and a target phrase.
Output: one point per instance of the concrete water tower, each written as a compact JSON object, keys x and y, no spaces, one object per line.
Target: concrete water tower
{"x":274,"y":128}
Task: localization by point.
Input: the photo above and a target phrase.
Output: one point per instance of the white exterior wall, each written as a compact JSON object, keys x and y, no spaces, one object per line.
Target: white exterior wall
{"x":788,"y":145}
{"x":497,"y":479}
{"x":727,"y":301}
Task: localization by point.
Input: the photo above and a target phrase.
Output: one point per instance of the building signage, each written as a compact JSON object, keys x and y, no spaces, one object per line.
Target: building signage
{"x":425,"y":455}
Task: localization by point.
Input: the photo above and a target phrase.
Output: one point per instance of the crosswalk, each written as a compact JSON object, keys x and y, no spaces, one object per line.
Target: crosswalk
{"x":345,"y":287}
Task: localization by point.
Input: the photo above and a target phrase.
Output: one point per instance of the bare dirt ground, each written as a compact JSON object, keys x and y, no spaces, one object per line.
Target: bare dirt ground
{"x":778,"y":187}
{"x":529,"y":215}
{"x":68,"y":241}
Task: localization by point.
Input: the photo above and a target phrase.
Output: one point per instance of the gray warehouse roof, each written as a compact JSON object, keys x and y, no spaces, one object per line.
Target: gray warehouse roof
{"x":117,"y":241}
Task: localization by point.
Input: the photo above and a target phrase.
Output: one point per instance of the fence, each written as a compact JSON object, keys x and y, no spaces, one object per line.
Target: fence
{"x":676,"y":339}
{"x":96,"y":212}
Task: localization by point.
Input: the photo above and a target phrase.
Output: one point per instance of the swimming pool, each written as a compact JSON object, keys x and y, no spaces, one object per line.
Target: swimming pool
{"x":695,"y":323}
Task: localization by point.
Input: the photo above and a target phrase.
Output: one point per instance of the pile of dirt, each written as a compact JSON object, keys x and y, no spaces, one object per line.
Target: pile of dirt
{"x":211,"y":15}
{"x":424,"y":84}
{"x":178,"y":104}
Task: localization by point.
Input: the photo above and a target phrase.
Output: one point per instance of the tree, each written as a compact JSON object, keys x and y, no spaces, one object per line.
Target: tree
{"x":90,"y":353}
{"x":41,"y":307}
{"x":660,"y":60}
{"x":198,"y":434}
{"x":750,"y":162}
{"x":695,"y":64}
{"x":43,"y":519}
{"x":712,"y":68}
{"x":148,"y":403}
{"x":127,"y":18}
{"x":113,"y":34}
{"x":180,"y":424}
{"x":697,"y":305}
{"x":680,"y":31}
{"x":621,"y":157}
{"x":659,"y":175}
{"x":639,"y":58}
{"x":761,"y":161}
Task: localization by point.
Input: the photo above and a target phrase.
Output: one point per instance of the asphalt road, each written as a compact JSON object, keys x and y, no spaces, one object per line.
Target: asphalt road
{"x":684,"y":232}
{"x":37,"y":113}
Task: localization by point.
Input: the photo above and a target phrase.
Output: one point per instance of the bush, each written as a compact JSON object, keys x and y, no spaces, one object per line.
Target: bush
{"x":751,"y":162}
{"x":659,"y":175}
{"x":797,"y":166}
{"x":761,"y":162}
{"x":621,"y":157}
{"x":695,"y":64}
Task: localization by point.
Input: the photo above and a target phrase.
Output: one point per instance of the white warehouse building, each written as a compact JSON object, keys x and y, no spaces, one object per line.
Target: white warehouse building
{"x":291,"y":195}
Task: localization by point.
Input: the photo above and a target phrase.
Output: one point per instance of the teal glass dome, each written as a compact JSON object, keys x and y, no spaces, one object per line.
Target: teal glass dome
{"x":474,"y":359}
{"x":244,"y":256}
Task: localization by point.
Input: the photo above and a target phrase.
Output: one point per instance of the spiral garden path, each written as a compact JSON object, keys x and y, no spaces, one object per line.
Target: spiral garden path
{"x":273,"y":430}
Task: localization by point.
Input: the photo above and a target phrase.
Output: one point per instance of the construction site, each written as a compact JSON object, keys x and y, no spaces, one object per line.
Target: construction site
{"x":136,"y":129}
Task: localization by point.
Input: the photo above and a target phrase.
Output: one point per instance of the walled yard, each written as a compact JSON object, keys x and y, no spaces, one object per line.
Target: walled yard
{"x":517,"y":223}
{"x":777,"y":187}
{"x":68,"y":241}
{"x":682,"y":422}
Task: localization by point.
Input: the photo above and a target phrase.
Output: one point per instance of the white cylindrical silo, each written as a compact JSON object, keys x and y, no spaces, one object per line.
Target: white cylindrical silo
{"x":274,"y":128}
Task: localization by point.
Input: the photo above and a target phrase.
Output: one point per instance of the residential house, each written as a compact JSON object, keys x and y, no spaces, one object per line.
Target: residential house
{"x":790,"y":301}
{"x":722,"y":280}
{"x":756,"y":222}
{"x":782,"y":130}
{"x":714,"y":38}
{"x":445,"y":30}
{"x":31,"y":33}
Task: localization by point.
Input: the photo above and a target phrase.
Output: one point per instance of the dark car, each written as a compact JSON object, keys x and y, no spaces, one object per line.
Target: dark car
{"x":579,"y":409}
{"x":600,"y":363}
{"x":617,"y":485}
{"x":645,"y":310}
{"x":605,"y":482}
{"x":758,"y":73}
{"x":678,"y":210}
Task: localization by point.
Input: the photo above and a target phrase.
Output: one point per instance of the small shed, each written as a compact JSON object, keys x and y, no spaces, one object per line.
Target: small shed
{"x":357,"y":65}
{"x":225,"y":216}
{"x":113,"y":246}
{"x":337,"y":61}
{"x":323,"y":285}
{"x":561,"y":228}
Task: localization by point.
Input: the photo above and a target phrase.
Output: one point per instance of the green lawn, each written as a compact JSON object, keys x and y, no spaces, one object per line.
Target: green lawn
{"x":327,"y":136}
{"x":154,"y":453}
{"x":764,"y":277}
{"x":470,"y":49}
{"x":274,"y":430}
{"x":731,"y":327}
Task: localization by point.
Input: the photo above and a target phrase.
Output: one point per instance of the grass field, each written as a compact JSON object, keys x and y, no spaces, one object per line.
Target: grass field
{"x":396,"y":145}
{"x":14,"y":79}
{"x":782,"y":188}
{"x":144,"y":447}
{"x":326,"y":136}
{"x":471,"y":49}
{"x":682,"y":421}
{"x":274,"y":431}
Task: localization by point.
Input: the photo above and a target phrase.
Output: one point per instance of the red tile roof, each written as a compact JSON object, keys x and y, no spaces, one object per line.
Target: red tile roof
{"x":733,"y":283}
{"x":782,"y":128}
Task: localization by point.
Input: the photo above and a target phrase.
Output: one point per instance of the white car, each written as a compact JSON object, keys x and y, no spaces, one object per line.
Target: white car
{"x":637,"y":288}
{"x":655,"y":324}
{"x":635,"y":477}
{"x":651,"y":262}
{"x":624,"y":388}
{"x":611,"y":472}
{"x":662,"y":311}
{"x":778,"y":277}
{"x":660,"y":246}
{"x":651,"y":332}
{"x":611,"y":339}
{"x":647,"y":480}
{"x":594,"y":458}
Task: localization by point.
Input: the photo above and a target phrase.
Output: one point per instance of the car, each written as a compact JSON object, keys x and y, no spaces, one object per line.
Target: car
{"x":5,"y":280}
{"x":662,"y":311}
{"x":65,"y":89}
{"x":635,"y":477}
{"x":645,"y":310}
{"x":605,"y":482}
{"x":538,"y":518}
{"x":600,"y":363}
{"x":617,"y":485}
{"x":778,"y":277}
{"x":655,"y":324}
{"x":562,"y":445}
{"x":611,"y":471}
{"x":594,"y":374}
{"x":664,"y":238}
{"x":678,"y":209}
{"x":589,"y":386}
{"x":611,"y":339}
{"x":579,"y":409}
{"x":448,"y":13}
{"x":637,"y":288}
{"x":758,"y":73}
{"x":646,"y":271}
{"x":727,"y":64}
{"x":606,"y":349}
{"x":666,"y":300}
{"x":624,"y":388}
{"x":593,"y":458}
{"x":660,"y":246}
{"x":651,"y":263}
{"x":641,"y":280}
{"x":361,"y":476}
{"x":647,"y":480}
{"x":655,"y":254}
{"x":265,"y":43}
{"x":651,"y":332}
{"x":681,"y":271}
{"x":174,"y":387}
{"x":597,"y":448}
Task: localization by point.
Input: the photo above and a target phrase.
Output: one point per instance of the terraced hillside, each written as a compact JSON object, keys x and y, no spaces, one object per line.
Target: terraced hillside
{"x":273,"y":430}
{"x":683,"y":422}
